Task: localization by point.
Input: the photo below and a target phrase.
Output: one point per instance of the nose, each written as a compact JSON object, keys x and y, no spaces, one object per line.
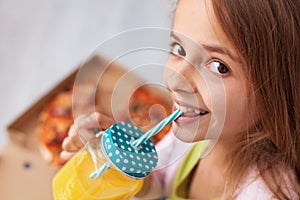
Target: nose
{"x":178,"y":76}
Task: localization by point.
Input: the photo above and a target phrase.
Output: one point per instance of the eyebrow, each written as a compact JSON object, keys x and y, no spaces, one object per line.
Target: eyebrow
{"x":211,"y":48}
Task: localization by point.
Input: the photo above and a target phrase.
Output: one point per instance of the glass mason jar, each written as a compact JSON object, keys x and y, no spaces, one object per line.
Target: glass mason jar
{"x":122,"y":167}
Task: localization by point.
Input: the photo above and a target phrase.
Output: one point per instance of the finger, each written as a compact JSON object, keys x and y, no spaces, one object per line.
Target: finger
{"x":87,"y":127}
{"x":80,"y":135}
{"x":72,"y":144}
{"x":65,"y":155}
{"x":89,"y":121}
{"x":94,"y":120}
{"x":104,"y":121}
{"x":72,"y":131}
{"x":75,"y":137}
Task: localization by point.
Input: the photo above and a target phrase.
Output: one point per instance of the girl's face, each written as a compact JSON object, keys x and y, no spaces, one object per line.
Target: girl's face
{"x":205,"y":76}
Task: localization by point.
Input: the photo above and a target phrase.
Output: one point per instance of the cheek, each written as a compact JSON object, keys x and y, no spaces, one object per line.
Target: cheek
{"x":230,"y":111}
{"x":237,"y":114}
{"x":207,"y":93}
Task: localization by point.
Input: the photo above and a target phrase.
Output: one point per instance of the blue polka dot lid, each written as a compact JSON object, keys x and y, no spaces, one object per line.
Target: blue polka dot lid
{"x":118,"y":146}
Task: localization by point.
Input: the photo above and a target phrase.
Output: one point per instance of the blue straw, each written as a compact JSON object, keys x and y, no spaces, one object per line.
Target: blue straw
{"x":100,"y":170}
{"x":157,"y":128}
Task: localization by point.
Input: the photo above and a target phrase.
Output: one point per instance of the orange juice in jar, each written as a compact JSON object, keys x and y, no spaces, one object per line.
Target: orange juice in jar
{"x":109,"y":167}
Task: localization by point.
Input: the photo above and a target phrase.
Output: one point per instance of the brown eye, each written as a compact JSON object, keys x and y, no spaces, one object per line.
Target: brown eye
{"x":218,"y":68}
{"x":178,"y":50}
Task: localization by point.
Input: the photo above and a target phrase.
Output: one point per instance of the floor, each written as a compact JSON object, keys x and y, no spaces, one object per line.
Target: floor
{"x":43,"y":40}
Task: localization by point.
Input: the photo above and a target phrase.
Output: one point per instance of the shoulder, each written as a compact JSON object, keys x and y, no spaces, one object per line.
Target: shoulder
{"x":254,"y":187}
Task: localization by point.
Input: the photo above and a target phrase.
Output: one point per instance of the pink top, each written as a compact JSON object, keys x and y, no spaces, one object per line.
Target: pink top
{"x":172,"y":151}
{"x":255,"y":188}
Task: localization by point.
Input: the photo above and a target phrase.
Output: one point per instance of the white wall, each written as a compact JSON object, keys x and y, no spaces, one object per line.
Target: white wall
{"x":41,"y":41}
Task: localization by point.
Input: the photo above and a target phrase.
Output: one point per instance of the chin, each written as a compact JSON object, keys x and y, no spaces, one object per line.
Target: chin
{"x":188,"y":134}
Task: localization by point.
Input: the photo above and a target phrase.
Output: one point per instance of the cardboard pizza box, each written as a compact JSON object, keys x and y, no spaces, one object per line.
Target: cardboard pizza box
{"x":24,"y":173}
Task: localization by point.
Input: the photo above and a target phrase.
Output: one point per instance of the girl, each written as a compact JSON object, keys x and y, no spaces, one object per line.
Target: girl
{"x":245,"y":99}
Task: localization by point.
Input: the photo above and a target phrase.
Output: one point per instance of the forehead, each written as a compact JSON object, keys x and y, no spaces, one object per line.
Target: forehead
{"x":196,"y":20}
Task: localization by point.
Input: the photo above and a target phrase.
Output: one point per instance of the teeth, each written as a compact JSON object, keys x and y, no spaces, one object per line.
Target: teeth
{"x":189,"y":109}
{"x":183,"y":109}
{"x":197,"y":111}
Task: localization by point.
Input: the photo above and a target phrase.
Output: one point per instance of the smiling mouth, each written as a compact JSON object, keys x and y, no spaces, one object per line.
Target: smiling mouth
{"x":189,"y":111}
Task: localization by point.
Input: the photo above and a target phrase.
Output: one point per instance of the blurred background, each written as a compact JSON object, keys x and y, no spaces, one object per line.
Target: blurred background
{"x":44,"y":40}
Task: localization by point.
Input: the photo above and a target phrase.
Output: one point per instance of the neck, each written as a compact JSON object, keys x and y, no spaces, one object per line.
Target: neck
{"x":210,"y":173}
{"x":219,"y":152}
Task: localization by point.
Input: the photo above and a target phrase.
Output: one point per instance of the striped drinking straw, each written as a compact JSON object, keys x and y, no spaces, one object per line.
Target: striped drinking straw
{"x":157,"y":128}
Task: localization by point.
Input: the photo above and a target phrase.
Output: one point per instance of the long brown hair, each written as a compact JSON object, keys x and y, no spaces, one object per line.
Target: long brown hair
{"x":266,"y":33}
